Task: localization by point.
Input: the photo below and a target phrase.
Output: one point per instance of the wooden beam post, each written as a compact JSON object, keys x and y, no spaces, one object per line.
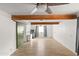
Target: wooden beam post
{"x":41,"y":17}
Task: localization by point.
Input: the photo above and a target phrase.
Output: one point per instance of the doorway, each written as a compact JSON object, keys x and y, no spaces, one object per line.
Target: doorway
{"x":41,"y":31}
{"x":20,"y":34}
{"x":38,"y":31}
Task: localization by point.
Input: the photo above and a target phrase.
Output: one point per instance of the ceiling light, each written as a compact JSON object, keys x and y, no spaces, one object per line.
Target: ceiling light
{"x":41,"y":7}
{"x":48,"y":10}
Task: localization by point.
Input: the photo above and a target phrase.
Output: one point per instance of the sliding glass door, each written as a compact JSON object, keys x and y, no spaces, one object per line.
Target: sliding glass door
{"x":20,"y":32}
{"x":77,"y":37}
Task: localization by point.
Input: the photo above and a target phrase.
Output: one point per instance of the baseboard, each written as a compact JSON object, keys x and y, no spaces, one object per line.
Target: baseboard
{"x":67,"y":47}
{"x":12,"y":52}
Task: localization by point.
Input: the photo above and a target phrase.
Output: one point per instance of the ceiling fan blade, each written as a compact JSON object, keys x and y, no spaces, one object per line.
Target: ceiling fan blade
{"x":56,"y":4}
{"x":34,"y":10}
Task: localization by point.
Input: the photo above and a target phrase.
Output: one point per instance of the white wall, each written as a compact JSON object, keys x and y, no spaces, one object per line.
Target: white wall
{"x":49,"y":31}
{"x":28,"y":27}
{"x":65,"y":33}
{"x":7,"y":34}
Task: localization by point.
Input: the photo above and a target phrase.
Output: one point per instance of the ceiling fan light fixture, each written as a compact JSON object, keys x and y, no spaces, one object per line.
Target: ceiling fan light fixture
{"x":42,"y":7}
{"x":48,"y":10}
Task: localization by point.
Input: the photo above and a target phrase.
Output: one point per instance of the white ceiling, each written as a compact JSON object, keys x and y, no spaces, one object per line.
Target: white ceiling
{"x":26,"y":8}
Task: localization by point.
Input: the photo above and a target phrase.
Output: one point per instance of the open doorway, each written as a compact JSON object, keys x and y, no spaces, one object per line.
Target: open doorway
{"x":41,"y":31}
{"x":38,"y":31}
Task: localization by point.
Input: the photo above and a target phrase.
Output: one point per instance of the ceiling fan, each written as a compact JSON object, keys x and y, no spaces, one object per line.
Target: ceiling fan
{"x":45,"y":7}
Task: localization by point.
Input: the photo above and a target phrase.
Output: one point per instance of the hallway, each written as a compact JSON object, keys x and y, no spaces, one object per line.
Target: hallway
{"x":18,"y":25}
{"x":43,"y":47}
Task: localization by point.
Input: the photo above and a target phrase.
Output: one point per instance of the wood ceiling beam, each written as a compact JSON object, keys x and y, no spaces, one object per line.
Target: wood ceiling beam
{"x":41,"y":17}
{"x":44,"y":23}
